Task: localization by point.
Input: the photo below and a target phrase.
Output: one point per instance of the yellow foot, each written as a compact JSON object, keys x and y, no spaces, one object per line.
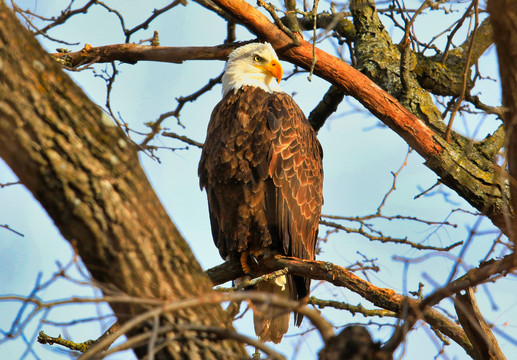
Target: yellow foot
{"x":244,"y":262}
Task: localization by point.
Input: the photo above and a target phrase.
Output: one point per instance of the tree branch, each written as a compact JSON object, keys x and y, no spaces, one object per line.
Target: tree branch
{"x":324,"y":327}
{"x":326,"y":107}
{"x":132,"y":53}
{"x":476,"y":327}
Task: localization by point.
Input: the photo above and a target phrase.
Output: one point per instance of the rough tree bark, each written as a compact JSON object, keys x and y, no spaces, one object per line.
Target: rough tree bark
{"x":85,"y":173}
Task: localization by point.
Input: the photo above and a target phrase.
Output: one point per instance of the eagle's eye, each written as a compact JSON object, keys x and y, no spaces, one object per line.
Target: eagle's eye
{"x":257,"y":58}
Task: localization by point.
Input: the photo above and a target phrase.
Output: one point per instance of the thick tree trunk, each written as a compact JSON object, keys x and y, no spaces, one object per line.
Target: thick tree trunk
{"x":85,"y":173}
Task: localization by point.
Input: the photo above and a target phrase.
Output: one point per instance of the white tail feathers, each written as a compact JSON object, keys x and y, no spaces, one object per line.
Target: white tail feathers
{"x":271,"y":323}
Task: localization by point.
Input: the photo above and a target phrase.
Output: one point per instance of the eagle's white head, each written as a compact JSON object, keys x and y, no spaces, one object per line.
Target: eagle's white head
{"x":255,"y":64}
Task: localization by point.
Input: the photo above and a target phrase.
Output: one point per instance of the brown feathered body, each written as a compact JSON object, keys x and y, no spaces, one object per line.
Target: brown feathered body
{"x":261,"y":167}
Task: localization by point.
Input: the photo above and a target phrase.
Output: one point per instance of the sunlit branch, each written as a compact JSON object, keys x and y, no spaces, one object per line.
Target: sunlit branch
{"x":82,"y":347}
{"x":476,"y":327}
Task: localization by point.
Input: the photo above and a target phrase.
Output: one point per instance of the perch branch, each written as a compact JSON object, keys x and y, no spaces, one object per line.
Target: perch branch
{"x":380,"y":297}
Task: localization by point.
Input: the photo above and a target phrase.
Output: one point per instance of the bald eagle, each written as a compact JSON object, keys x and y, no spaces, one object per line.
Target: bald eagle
{"x":261,"y":166}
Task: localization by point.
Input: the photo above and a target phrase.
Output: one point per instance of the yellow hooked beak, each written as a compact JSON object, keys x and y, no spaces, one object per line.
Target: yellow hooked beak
{"x":274,"y":68}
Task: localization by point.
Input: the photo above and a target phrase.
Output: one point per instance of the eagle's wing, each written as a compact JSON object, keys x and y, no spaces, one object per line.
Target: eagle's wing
{"x":233,"y":169}
{"x":294,"y":196}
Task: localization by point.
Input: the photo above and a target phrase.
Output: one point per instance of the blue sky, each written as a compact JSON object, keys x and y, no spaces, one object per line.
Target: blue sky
{"x":358,"y":161}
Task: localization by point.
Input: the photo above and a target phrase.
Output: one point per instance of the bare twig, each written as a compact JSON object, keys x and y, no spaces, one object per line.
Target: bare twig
{"x":388,"y":239}
{"x":10,"y":184}
{"x":156,"y":125}
{"x":156,"y":13}
{"x":183,"y":138}
{"x":7,"y":227}
{"x":272,"y":11}
{"x":465,"y":72}
{"x":314,"y":14}
{"x":353,"y":309}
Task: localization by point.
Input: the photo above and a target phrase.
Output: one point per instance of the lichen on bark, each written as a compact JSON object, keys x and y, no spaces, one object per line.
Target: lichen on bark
{"x":463,"y":165}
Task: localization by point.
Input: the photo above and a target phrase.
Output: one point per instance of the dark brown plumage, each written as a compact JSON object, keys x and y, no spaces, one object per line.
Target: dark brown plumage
{"x":262,"y":170}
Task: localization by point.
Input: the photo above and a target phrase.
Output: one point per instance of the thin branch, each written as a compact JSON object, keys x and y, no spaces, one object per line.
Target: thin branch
{"x":64,"y":16}
{"x":458,"y":26}
{"x":272,"y":11}
{"x":314,"y":14}
{"x":254,"y":282}
{"x":465,"y":72}
{"x":481,"y":274}
{"x":9,"y":184}
{"x":7,"y":227}
{"x":394,"y":184}
{"x":156,"y":13}
{"x":156,"y":125}
{"x":388,"y":239}
{"x":183,"y":138}
{"x":476,"y":327}
{"x":353,"y":309}
{"x":82,"y":347}
{"x":318,"y":270}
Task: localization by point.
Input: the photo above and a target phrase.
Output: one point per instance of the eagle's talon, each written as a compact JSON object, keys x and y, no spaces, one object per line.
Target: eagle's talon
{"x":254,"y":258}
